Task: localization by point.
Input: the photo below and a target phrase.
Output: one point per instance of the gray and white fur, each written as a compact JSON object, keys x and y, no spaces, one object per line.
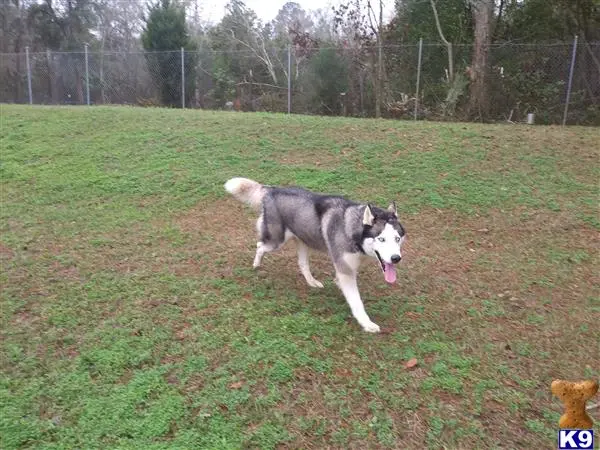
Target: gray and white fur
{"x":344,"y":229}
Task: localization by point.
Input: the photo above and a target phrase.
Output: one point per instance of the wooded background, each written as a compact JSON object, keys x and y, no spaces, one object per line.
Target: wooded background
{"x":480,"y":59}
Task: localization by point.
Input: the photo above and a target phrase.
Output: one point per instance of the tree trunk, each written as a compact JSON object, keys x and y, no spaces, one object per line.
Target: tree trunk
{"x":18,"y":48}
{"x":51,"y":78}
{"x":102,"y":93}
{"x":19,"y":89}
{"x":379,"y":89}
{"x":361,"y":79}
{"x":479,"y":102}
{"x":78,"y":85}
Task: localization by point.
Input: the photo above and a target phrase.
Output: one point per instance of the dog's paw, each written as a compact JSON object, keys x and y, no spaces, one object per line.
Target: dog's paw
{"x":315,"y":283}
{"x":371,"y":327}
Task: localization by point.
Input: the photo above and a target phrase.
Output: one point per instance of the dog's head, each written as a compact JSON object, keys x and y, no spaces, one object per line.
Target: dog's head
{"x":383,"y":236}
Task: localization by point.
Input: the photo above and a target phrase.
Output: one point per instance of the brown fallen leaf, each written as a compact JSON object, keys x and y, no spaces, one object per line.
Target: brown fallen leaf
{"x":411,"y":363}
{"x":412,"y":315}
{"x":236,"y":385}
{"x":343,"y":372}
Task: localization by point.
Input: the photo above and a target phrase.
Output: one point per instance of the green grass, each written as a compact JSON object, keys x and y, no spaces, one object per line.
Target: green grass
{"x":131,"y":317}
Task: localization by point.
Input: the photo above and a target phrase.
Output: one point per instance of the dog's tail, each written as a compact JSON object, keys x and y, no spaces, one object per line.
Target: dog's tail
{"x":247,"y":191}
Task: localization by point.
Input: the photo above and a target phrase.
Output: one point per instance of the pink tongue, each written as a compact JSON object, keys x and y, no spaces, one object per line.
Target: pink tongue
{"x":389,"y":273}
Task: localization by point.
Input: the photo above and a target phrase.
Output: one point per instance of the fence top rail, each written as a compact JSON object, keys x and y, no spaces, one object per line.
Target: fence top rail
{"x":533,"y":45}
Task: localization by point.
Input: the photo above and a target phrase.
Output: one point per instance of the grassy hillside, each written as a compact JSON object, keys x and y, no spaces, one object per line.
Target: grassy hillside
{"x":131,"y":316}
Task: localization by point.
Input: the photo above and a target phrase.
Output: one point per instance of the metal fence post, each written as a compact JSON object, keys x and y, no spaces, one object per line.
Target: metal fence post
{"x":87,"y":76}
{"x":28,"y":75}
{"x":289,"y":79}
{"x":564,"y":122}
{"x":49,"y":63}
{"x":182,"y":77}
{"x":418,"y":77}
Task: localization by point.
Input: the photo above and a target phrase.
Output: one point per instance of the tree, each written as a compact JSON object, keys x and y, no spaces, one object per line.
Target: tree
{"x":291,"y":19}
{"x":445,"y":41}
{"x":165,"y":33}
{"x":45,"y":27}
{"x":251,"y":58}
{"x":80,"y":17}
{"x":119,"y":23}
{"x":363,"y":25}
{"x":479,"y":102}
{"x":449,"y":21}
{"x":357,"y":29}
{"x":323,"y":29}
{"x":292,"y":27}
{"x":242,"y":55}
{"x":414,"y":19}
{"x":242,"y":26}
{"x":330,"y":81}
{"x":548,"y":20}
{"x":379,"y":34}
{"x":65,"y":26}
{"x":14,"y":32}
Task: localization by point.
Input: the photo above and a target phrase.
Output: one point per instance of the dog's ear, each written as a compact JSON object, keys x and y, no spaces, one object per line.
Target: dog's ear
{"x":392,"y":209}
{"x":368,"y":217}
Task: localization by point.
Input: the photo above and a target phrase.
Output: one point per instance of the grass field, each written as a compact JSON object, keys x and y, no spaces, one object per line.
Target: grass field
{"x":131,"y":316}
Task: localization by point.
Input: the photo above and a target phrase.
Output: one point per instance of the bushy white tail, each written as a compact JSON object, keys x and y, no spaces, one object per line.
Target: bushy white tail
{"x":247,"y":191}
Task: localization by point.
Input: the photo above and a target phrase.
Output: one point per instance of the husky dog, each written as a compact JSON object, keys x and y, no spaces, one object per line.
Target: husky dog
{"x":344,"y":229}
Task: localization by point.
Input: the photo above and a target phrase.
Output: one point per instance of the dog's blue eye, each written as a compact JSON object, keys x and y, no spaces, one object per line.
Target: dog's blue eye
{"x":397,"y":239}
{"x":381,"y":239}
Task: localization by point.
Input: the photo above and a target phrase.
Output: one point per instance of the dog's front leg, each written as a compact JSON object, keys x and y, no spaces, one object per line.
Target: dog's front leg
{"x":349,"y":287}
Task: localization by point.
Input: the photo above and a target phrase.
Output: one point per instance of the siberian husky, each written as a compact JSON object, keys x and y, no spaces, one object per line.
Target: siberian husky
{"x":346,"y":230}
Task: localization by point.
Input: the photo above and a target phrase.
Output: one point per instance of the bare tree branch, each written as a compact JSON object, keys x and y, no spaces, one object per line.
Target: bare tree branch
{"x":264,"y":57}
{"x":370,"y":10}
{"x":443,"y":38}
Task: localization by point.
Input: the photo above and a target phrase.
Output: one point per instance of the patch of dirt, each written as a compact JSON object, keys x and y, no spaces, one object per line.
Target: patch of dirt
{"x":66,"y":273}
{"x":313,"y":158}
{"x":195,"y":383}
{"x":126,"y":377}
{"x":25,"y":318}
{"x":223,"y":230}
{"x":6,"y":253}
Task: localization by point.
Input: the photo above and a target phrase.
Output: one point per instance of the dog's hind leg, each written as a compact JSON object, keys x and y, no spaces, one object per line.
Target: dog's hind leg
{"x":264,"y":245}
{"x":271,"y":245}
{"x":261,"y":249}
{"x":305,"y":267}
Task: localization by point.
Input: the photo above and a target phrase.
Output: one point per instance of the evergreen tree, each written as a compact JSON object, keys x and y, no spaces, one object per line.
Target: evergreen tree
{"x":165,"y":33}
{"x":330,"y":79}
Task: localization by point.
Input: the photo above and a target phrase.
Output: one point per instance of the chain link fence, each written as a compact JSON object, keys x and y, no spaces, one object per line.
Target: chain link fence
{"x":523,"y":79}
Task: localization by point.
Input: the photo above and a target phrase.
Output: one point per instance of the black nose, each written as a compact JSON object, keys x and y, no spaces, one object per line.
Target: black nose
{"x":396,"y":258}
